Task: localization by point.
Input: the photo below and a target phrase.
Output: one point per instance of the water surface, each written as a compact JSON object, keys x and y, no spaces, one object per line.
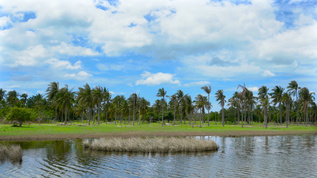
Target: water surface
{"x":251,"y":156}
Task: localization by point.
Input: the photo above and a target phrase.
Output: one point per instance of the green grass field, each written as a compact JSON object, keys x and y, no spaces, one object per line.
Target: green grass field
{"x":35,"y":130}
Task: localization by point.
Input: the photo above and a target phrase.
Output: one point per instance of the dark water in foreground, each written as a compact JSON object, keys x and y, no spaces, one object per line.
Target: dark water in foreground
{"x":258,"y":156}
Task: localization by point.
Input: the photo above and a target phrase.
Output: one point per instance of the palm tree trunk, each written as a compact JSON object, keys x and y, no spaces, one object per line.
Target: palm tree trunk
{"x":65,"y":114}
{"x":181,"y":114}
{"x":306,"y":116}
{"x":223,"y":116}
{"x":163,"y":111}
{"x":280,"y":106}
{"x":99,"y":113}
{"x":174,"y":113}
{"x":242,"y":118}
{"x":133,"y":112}
{"x":200,"y":117}
{"x":115,"y":117}
{"x":139,"y":113}
{"x":265,"y":117}
{"x":55,"y":115}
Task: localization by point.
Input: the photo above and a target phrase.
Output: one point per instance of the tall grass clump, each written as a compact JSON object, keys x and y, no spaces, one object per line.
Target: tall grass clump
{"x":148,"y":144}
{"x":12,"y":153}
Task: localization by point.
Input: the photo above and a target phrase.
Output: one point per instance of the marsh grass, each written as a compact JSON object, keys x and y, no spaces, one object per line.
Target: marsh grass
{"x":150,"y":144}
{"x":12,"y":153}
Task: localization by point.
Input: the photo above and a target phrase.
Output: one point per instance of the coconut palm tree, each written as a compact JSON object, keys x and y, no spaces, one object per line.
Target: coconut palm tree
{"x":276,"y":95}
{"x":85,"y":97}
{"x":2,"y":94}
{"x":98,"y":97}
{"x":174,"y":103}
{"x":24,"y":98}
{"x":51,"y":92}
{"x":189,"y":107}
{"x":243,"y":101}
{"x":134,"y":98}
{"x":162,"y":93}
{"x":287,"y":99}
{"x":12,"y":98}
{"x":201,"y":101}
{"x":293,"y":88}
{"x":306,"y":97}
{"x":65,"y":98}
{"x":234,"y":103}
{"x":264,"y":99}
{"x":180,"y":95}
{"x":207,"y":89}
{"x":221,"y":98}
{"x":107,"y":99}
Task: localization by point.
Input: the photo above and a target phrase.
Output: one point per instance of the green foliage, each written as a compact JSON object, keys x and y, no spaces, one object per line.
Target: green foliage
{"x":18,"y":114}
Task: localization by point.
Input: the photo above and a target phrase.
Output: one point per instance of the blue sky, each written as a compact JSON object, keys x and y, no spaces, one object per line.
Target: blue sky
{"x":140,"y":46}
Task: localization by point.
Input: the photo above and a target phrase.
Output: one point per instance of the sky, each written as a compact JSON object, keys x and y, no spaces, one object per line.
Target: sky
{"x":139,"y":46}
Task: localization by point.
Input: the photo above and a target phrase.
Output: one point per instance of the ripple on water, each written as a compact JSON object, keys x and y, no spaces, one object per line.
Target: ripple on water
{"x":263,"y":156}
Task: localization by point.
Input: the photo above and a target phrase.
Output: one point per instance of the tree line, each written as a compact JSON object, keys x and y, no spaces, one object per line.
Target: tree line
{"x":96,"y":104}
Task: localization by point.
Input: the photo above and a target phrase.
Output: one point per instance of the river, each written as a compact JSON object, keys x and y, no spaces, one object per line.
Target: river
{"x":250,"y":156}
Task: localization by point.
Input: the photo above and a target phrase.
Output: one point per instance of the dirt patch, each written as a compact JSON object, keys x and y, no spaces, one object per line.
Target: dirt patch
{"x":150,"y":134}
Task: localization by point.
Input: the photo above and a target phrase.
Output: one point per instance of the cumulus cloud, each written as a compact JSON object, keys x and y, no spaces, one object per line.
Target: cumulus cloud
{"x":253,"y":89}
{"x":61,"y":64}
{"x":157,"y":79}
{"x":268,"y":73}
{"x":82,"y":75}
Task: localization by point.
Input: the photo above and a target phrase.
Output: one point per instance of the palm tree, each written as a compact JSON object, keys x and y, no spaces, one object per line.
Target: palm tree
{"x":161,"y":93}
{"x":180,"y":95}
{"x":24,"y":97}
{"x":107,"y":98}
{"x":243,"y":101}
{"x":12,"y":98}
{"x":174,"y":102}
{"x":98,"y":96}
{"x":207,"y":89}
{"x":189,"y":107}
{"x":201,"y":102}
{"x":264,"y":99}
{"x":306,"y":97}
{"x":51,"y":92}
{"x":221,"y":98}
{"x":277,"y":98}
{"x":86,"y":98}
{"x":40,"y":104}
{"x":234,"y":103}
{"x":293,"y":88}
{"x":134,"y":97}
{"x":65,"y":99}
{"x":2,"y":94}
{"x":287,"y":99}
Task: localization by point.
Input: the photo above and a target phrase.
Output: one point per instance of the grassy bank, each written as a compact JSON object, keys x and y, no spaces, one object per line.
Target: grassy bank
{"x":151,"y":145}
{"x":73,"y":131}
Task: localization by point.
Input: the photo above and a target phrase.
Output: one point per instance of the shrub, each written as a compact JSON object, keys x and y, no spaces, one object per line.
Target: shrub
{"x":18,"y":114}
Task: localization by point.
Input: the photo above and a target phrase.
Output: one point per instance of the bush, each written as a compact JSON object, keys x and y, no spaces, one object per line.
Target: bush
{"x":18,"y":114}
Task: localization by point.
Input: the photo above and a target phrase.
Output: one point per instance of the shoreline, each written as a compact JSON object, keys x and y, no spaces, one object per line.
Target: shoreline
{"x":150,"y":134}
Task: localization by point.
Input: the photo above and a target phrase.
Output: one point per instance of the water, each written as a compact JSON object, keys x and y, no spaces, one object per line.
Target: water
{"x":257,"y":156}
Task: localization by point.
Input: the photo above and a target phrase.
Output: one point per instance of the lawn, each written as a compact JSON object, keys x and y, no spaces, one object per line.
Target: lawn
{"x":53,"y":131}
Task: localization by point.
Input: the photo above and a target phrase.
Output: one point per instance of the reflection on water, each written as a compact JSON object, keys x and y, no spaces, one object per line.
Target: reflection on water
{"x":259,"y":156}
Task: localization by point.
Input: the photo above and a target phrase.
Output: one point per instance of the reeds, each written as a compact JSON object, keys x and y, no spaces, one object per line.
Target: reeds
{"x":12,"y":153}
{"x":153,"y":145}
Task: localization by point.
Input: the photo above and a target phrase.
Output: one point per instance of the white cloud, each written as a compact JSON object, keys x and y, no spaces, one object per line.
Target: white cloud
{"x":199,"y":83}
{"x":268,"y":73}
{"x":61,"y":64}
{"x":82,"y":75}
{"x":253,"y":89}
{"x":157,"y":79}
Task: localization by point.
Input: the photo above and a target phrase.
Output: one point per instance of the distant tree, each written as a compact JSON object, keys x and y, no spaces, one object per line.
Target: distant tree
{"x":18,"y":114}
{"x":306,"y":97}
{"x":2,"y":94}
{"x":277,"y":93}
{"x":207,"y":89}
{"x":264,"y":99}
{"x":24,"y":98}
{"x":221,"y":98}
{"x":293,"y":88}
{"x":162,"y":93}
